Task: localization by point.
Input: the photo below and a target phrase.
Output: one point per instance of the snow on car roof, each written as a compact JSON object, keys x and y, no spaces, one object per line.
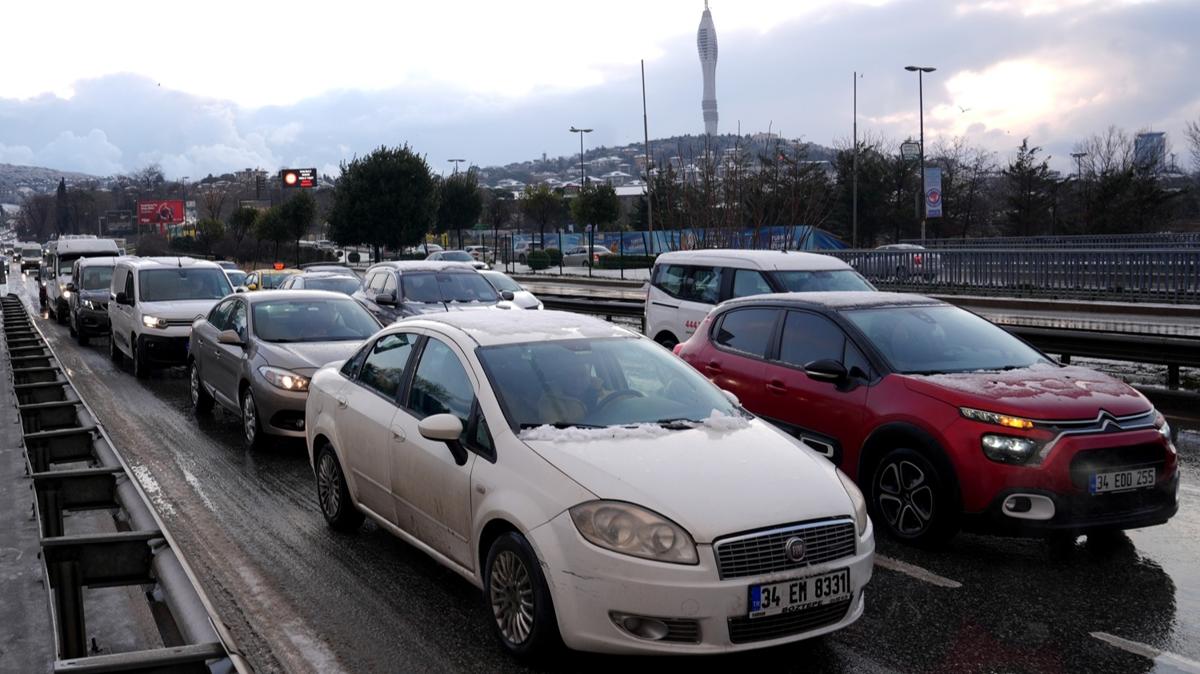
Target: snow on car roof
{"x":489,"y":327}
{"x":846,"y":299}
{"x":754,"y":259}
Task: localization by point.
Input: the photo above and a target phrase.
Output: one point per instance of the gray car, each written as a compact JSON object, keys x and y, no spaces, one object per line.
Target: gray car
{"x":254,"y":352}
{"x":520,"y":296}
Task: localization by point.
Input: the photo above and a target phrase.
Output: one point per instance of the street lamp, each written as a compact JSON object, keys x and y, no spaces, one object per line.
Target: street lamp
{"x":1079,"y":164}
{"x":456,"y":162}
{"x":582,"y":170}
{"x":920,"y":71}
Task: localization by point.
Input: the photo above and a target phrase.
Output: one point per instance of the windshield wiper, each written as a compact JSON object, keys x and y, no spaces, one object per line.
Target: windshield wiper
{"x":678,"y":423}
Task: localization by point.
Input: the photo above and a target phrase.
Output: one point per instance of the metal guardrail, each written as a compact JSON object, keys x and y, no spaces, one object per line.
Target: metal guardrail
{"x":1170,"y":275}
{"x":74,"y":467}
{"x":1156,"y":240}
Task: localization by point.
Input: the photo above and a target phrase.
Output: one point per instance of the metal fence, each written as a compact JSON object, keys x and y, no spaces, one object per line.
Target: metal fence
{"x":74,"y":467}
{"x":1145,"y":275}
{"x":1113,"y":241}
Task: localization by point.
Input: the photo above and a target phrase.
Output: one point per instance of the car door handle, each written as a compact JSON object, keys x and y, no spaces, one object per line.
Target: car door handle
{"x":398,"y":435}
{"x":712,"y":367}
{"x":341,"y":401}
{"x":776,"y":386}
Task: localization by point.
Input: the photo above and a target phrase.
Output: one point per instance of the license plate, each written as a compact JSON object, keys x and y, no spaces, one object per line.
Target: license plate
{"x":1122,"y":480}
{"x":799,"y":594}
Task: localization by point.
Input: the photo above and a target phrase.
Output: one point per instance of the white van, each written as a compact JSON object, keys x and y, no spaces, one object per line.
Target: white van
{"x":60,"y":257}
{"x":685,"y":285}
{"x":154,"y":301}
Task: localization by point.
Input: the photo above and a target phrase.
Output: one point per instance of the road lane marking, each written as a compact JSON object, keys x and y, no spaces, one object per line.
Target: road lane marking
{"x":915,"y":571}
{"x":1165,"y":658}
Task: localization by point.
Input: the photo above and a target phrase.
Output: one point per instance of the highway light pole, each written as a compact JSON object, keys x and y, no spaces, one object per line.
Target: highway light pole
{"x":920,"y":71}
{"x":854,"y":172}
{"x":582,"y":170}
{"x":456,"y":162}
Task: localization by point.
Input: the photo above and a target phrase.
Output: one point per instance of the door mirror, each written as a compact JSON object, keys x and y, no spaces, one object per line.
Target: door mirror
{"x":70,"y":287}
{"x":445,"y":428}
{"x":386,"y":298}
{"x":230,"y":337}
{"x":507,"y":295}
{"x":122,"y":298}
{"x":251,"y":286}
{"x":826,"y":370}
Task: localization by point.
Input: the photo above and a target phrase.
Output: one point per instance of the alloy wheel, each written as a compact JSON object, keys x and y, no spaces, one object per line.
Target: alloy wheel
{"x":249,"y":419}
{"x":905,"y":498}
{"x":194,"y":385}
{"x":329,"y":485}
{"x":511,"y":589}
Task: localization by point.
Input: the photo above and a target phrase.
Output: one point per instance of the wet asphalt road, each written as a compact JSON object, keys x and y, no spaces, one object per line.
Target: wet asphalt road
{"x":299,"y":597}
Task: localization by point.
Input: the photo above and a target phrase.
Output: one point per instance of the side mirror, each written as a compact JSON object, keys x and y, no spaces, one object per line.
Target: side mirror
{"x":826,"y":370}
{"x":445,"y":428}
{"x":122,"y":298}
{"x":70,"y":287}
{"x":385,"y":298}
{"x":507,"y":295}
{"x":251,"y":286}
{"x":230,"y":337}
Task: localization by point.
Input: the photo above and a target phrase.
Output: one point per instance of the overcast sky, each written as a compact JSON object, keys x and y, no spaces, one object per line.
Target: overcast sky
{"x":217,"y":86}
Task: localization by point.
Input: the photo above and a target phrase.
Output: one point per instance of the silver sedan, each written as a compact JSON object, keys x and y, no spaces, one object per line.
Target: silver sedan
{"x":254,"y":352}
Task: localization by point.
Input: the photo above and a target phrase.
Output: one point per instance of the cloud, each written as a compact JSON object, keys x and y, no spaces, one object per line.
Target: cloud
{"x":89,"y":153}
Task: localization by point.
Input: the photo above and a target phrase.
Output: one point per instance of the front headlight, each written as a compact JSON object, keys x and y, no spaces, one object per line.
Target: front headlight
{"x":1008,"y":449}
{"x":88,"y":304}
{"x":154,"y":322}
{"x":632,"y":530}
{"x":65,"y":293}
{"x":284,"y":379}
{"x":856,"y":498}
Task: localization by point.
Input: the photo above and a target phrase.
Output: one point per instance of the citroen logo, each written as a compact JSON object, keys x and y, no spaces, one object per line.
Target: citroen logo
{"x":794,"y":549}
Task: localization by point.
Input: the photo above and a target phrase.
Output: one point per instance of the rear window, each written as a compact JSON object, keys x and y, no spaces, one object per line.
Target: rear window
{"x":337,"y":284}
{"x":821,"y":281}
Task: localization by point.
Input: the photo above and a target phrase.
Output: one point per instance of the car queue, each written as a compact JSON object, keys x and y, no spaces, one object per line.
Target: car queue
{"x":608,"y":495}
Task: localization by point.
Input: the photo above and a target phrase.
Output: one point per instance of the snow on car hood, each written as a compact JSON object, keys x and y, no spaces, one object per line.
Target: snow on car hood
{"x":1039,"y":392}
{"x":720,"y":477}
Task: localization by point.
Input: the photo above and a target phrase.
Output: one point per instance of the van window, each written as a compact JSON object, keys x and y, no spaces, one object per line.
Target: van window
{"x":129,"y":285}
{"x":749,"y":282}
{"x":694,"y":284}
{"x":669,"y":279}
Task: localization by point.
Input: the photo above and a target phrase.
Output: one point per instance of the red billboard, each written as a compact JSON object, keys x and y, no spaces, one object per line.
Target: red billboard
{"x":303,"y":177}
{"x":160,"y":212}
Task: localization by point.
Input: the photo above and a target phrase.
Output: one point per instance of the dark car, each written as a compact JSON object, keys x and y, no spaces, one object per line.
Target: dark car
{"x":943,"y":418}
{"x":87,"y":297}
{"x":395,"y":290}
{"x":347,"y":284}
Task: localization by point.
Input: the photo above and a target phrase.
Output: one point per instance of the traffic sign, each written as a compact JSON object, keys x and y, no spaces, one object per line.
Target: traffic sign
{"x":303,"y":177}
{"x":910,"y":151}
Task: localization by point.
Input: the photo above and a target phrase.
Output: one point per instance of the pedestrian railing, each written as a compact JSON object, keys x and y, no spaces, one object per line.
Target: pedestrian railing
{"x":74,"y":467}
{"x":1115,"y":241}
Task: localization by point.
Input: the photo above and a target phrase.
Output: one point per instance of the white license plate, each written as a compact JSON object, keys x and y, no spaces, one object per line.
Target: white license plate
{"x":1122,"y":480}
{"x":799,"y":594}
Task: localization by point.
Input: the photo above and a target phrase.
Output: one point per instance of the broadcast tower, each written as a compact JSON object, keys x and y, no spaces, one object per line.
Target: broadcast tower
{"x":706,"y":44}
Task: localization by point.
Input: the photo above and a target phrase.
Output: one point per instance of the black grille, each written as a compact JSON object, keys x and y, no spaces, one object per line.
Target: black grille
{"x":682,"y":630}
{"x":1105,"y":459}
{"x":743,"y":630}
{"x":756,"y":554}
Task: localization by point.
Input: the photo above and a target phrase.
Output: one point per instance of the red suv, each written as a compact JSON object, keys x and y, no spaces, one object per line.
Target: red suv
{"x":943,"y":418}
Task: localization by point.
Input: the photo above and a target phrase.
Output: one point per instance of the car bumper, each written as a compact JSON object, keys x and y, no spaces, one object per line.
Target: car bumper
{"x":93,"y":321}
{"x":280,"y":412}
{"x":1085,"y":513}
{"x":589,"y":585}
{"x":162,"y":350}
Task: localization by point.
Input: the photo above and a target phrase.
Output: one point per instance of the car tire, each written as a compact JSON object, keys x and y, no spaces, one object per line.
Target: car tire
{"x":333,"y":496}
{"x":141,"y":368}
{"x":252,"y":432}
{"x":667,"y":340}
{"x":114,"y":352}
{"x":912,"y":499}
{"x":901,"y":274}
{"x":202,"y":402}
{"x":515,"y":589}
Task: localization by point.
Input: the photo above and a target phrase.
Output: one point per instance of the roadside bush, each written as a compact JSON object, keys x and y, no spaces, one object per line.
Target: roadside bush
{"x":538,"y":259}
{"x":626,"y":262}
{"x":555,"y":256}
{"x":151,"y":244}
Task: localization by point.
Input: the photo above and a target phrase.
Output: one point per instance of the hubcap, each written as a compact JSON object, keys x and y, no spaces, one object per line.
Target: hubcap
{"x":249,"y":418}
{"x":905,"y":498}
{"x":329,"y":485}
{"x":512,"y":597}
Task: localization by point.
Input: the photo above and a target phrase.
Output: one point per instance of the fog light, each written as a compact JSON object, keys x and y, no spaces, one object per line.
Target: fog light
{"x":641,"y":627}
{"x":1018,"y":504}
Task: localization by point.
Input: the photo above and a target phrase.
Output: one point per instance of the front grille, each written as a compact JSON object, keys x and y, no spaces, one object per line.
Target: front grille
{"x":1090,"y":461}
{"x":180,"y":322}
{"x":682,"y":630}
{"x":743,"y":630}
{"x":763,"y":552}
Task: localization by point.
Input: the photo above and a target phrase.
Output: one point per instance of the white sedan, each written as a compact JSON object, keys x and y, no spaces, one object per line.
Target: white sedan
{"x":597,"y":489}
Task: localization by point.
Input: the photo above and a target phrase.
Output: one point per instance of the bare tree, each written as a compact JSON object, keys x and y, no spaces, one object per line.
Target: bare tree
{"x":1191,"y":131}
{"x":214,"y":199}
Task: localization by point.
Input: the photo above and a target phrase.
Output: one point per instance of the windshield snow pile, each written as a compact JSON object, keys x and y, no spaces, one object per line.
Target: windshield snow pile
{"x":717,"y":422}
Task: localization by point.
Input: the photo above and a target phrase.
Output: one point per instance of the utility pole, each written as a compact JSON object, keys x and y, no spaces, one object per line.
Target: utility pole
{"x":582,"y":170}
{"x":649,"y":183}
{"x":920,"y":71}
{"x":456,"y":162}
{"x":854,"y":172}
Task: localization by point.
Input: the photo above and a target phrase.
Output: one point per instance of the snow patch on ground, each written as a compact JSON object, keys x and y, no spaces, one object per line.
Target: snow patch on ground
{"x":153,"y":491}
{"x":716,"y":421}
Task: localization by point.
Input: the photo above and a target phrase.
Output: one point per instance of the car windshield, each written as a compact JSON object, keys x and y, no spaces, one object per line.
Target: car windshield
{"x":31,"y":252}
{"x":435,"y":287}
{"x":96,"y":278}
{"x":321,"y":320}
{"x":598,"y":382}
{"x":820,"y":281}
{"x":182,"y":283}
{"x":502,"y":282}
{"x":457,"y":256}
{"x":941,"y":339}
{"x":236,"y":276}
{"x":338,"y":284}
